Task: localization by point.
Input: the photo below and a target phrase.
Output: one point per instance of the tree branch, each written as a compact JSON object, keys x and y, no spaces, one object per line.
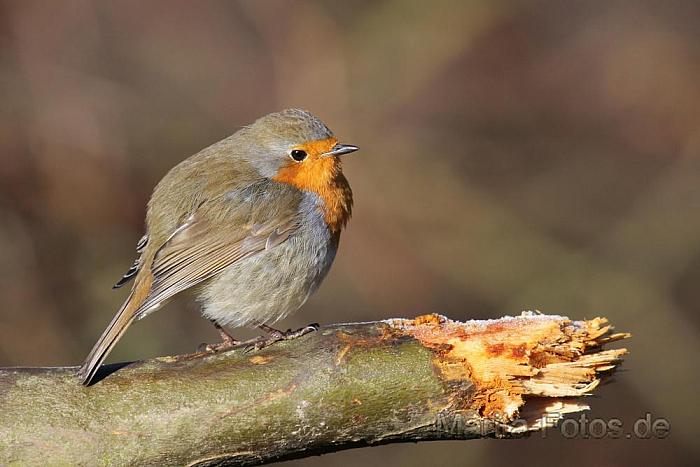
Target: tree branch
{"x":345,"y":386}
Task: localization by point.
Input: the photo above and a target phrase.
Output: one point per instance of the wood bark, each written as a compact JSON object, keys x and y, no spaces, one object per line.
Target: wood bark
{"x":344,"y":386}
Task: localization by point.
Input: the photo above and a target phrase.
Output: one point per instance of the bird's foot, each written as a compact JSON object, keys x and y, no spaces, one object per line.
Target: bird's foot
{"x":227,"y":341}
{"x":275,"y":335}
{"x":289,"y":334}
{"x":218,"y":347}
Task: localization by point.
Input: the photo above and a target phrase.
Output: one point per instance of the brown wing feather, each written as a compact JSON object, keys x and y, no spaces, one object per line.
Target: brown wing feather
{"x":218,"y":234}
{"x":197,"y":252}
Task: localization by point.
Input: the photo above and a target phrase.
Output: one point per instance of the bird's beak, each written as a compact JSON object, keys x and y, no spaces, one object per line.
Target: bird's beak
{"x":340,"y":149}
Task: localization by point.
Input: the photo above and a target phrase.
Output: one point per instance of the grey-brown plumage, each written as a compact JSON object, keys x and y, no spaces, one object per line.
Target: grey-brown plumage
{"x":247,"y":226}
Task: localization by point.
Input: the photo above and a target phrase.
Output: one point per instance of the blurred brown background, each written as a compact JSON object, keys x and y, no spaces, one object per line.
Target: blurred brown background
{"x":515,"y":155}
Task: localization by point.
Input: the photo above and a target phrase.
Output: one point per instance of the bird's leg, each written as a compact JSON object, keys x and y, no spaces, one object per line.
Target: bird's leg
{"x":275,"y":335}
{"x":227,"y":340}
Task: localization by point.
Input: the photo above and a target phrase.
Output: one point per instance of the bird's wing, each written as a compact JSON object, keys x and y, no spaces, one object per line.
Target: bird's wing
{"x":227,"y":228}
{"x":136,"y":267}
{"x":208,"y":242}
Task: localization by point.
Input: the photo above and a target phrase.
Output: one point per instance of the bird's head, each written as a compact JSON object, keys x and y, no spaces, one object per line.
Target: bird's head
{"x":294,"y":146}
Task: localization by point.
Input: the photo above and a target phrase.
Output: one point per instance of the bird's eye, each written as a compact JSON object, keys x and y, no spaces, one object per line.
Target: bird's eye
{"x":298,"y":155}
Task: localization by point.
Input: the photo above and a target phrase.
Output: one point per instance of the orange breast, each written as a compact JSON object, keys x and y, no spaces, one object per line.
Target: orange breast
{"x":322,"y":175}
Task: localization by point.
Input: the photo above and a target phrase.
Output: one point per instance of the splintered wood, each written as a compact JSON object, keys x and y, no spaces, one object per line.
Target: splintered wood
{"x":347,"y":385}
{"x":533,"y":368}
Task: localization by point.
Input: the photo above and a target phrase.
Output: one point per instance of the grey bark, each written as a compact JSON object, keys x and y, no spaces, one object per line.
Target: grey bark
{"x":345,"y":386}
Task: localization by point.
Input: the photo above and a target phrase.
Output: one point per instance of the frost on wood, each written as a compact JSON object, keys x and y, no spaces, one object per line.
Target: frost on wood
{"x":538,"y":356}
{"x":345,"y":386}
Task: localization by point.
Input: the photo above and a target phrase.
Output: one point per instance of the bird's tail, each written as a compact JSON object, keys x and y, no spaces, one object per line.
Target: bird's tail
{"x":109,"y":338}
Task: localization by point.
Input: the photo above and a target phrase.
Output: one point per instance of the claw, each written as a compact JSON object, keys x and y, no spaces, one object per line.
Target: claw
{"x":227,"y":341}
{"x":289,"y":334}
{"x":257,"y":343}
{"x":217,"y":347}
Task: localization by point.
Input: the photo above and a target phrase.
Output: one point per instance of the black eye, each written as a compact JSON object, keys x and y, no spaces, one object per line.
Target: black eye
{"x":298,"y":155}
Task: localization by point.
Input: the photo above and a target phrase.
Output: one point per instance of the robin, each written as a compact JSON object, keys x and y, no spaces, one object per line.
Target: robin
{"x":251,"y":225}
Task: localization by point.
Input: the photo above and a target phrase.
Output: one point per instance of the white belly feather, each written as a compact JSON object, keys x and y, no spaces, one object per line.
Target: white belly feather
{"x":272,"y":284}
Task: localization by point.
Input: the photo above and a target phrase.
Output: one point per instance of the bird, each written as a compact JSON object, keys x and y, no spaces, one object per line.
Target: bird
{"x":249,"y":226}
